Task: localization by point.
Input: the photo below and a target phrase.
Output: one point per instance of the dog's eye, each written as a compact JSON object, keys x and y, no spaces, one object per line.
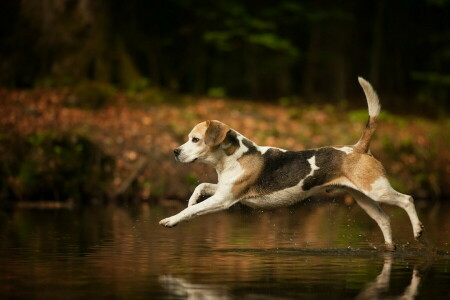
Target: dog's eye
{"x":195,"y":140}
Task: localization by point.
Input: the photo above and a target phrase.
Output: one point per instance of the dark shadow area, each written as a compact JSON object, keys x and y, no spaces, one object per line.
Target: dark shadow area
{"x":287,"y":50}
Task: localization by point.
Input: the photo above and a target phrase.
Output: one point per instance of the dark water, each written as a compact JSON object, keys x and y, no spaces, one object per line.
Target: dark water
{"x":311,"y":251}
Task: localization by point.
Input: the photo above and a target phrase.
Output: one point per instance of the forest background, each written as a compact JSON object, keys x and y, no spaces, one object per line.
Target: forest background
{"x":94,"y":95}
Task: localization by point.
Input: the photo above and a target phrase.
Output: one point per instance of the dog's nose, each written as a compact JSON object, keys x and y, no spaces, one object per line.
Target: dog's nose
{"x":177,"y":151}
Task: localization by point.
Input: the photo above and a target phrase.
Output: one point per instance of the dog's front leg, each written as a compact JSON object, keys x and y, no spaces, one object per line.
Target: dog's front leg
{"x":214,"y":203}
{"x":203,"y":189}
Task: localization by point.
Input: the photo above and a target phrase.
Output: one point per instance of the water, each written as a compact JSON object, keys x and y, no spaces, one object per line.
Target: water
{"x":311,"y":251}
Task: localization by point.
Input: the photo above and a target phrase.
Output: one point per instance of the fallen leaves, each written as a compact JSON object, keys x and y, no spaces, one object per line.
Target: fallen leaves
{"x":131,"y":133}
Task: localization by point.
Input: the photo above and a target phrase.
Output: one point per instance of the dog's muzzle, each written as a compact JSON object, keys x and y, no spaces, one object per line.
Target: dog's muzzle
{"x":177,"y":153}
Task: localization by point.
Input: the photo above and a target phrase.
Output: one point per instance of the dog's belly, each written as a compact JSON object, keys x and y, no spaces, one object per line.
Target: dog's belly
{"x":284,"y":197}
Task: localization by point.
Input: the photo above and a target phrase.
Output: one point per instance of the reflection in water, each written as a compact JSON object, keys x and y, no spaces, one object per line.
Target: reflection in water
{"x":378,"y":289}
{"x":312,"y":251}
{"x":183,"y":288}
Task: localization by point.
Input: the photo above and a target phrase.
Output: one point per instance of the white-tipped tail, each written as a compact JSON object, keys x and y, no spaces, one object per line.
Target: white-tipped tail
{"x":372,"y":98}
{"x":374,"y":110}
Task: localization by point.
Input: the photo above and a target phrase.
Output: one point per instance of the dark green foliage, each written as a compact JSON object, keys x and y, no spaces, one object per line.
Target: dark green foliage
{"x":138,"y":86}
{"x":238,"y":48}
{"x":53,"y":166}
{"x":90,"y":95}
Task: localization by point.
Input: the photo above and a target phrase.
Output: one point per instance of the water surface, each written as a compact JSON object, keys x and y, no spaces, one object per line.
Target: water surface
{"x":310,"y":251}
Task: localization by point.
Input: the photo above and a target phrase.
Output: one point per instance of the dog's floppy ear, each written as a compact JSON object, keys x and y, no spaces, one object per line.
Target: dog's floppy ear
{"x":215,"y":133}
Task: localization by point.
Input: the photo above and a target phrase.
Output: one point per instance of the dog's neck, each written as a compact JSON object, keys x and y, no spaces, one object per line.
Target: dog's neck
{"x":226,"y":159}
{"x":221,"y":161}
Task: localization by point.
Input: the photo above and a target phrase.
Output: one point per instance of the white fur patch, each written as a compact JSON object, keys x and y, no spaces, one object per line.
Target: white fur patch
{"x":312,"y":163}
{"x":380,"y":189}
{"x":373,"y":102}
{"x":314,"y":167}
{"x":242,"y":149}
{"x":345,"y":149}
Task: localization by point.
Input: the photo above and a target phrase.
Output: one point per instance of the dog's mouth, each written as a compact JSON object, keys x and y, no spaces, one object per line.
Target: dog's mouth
{"x":177,"y":158}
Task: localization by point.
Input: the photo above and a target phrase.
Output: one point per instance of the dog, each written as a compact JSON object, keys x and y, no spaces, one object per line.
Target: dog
{"x":267,"y":177}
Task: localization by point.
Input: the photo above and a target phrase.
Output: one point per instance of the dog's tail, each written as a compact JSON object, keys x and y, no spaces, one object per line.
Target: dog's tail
{"x":374,"y":110}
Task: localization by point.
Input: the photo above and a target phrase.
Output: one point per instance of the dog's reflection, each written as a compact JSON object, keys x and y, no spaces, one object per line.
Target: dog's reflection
{"x":377,"y":289}
{"x":183,"y":288}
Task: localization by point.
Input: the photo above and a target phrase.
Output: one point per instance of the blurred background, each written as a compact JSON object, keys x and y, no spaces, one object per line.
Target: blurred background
{"x":94,"y":95}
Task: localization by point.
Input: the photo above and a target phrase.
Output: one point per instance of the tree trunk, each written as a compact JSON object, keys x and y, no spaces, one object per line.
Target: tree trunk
{"x":377,"y":46}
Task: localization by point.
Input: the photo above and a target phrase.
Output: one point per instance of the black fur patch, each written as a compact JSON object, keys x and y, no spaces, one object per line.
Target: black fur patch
{"x":251,"y":147}
{"x":329,"y":161}
{"x":231,"y":139}
{"x":282,"y":170}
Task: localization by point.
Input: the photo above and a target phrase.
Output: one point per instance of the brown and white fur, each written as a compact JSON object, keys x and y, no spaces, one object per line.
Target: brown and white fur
{"x":265,"y":177}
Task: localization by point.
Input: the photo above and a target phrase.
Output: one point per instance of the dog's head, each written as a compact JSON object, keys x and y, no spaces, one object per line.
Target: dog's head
{"x":204,"y":142}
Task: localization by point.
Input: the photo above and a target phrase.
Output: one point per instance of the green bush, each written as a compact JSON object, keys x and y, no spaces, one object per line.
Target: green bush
{"x":216,"y":92}
{"x":53,"y":166}
{"x":138,"y":86}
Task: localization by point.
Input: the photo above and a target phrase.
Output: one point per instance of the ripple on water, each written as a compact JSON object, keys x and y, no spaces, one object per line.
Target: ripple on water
{"x":316,"y":252}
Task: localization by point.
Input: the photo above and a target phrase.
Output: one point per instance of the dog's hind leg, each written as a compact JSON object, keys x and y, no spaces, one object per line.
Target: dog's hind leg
{"x":384,"y":193}
{"x":374,"y":210}
{"x":203,"y":189}
{"x":407,"y":203}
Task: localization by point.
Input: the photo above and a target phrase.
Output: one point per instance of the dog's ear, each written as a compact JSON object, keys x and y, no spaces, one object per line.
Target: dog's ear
{"x":215,"y":133}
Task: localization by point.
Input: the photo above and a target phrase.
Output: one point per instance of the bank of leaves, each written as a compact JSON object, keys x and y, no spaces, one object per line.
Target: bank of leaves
{"x":124,"y":149}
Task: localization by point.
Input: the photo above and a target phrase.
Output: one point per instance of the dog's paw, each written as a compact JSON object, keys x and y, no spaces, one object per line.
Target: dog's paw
{"x":418,"y":233}
{"x":168,"y":222}
{"x":390,"y":247}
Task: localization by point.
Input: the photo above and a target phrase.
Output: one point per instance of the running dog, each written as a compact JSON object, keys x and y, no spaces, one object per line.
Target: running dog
{"x":266,"y":177}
